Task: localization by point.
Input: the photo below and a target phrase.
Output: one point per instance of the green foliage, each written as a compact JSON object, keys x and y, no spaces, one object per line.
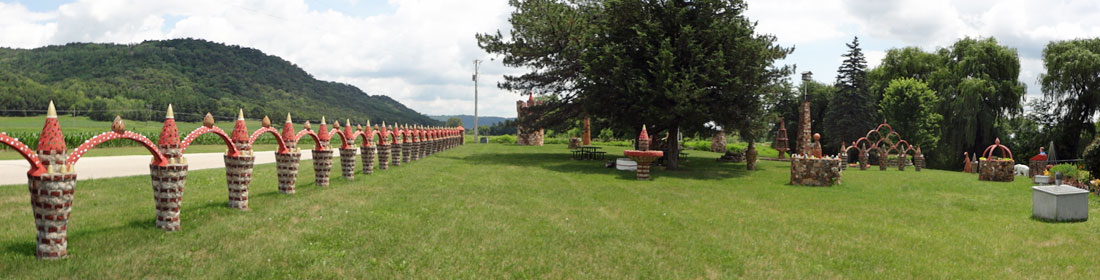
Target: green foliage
{"x":606,"y":135}
{"x":1091,"y":157}
{"x":503,"y":139}
{"x":909,"y":106}
{"x":977,"y":82}
{"x":678,"y":63}
{"x":852,"y":110}
{"x":453,"y":122}
{"x":1068,"y":170}
{"x":196,"y":76}
{"x":1072,"y":83}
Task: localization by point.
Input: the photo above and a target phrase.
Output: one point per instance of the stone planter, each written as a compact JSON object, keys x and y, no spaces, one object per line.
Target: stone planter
{"x":996,"y":170}
{"x":815,"y":171}
{"x":51,"y":202}
{"x":168,"y":184}
{"x":1059,"y":203}
{"x":238,"y":177}
{"x":286,"y":166}
{"x":347,"y":163}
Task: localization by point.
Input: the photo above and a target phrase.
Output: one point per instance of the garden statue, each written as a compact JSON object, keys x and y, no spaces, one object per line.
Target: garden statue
{"x":781,"y":139}
{"x":967,"y":168}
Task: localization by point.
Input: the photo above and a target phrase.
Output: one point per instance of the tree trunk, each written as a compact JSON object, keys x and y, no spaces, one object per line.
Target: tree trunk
{"x":672,"y":150}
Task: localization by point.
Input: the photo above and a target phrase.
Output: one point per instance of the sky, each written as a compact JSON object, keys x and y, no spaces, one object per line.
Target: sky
{"x":421,"y":52}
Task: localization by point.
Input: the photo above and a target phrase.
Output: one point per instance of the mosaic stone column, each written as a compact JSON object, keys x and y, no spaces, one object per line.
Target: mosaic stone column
{"x":367,"y":155}
{"x":322,"y":166}
{"x":51,"y":201}
{"x":843,"y":160}
{"x":395,"y":154}
{"x":384,"y":157}
{"x":422,"y":148}
{"x":864,"y":158}
{"x":901,"y":162}
{"x":238,"y":177}
{"x":168,"y":185}
{"x":414,"y":148}
{"x":406,"y":152}
{"x":286,"y":165}
{"x":918,"y":160}
{"x":347,"y":163}
{"x":883,"y":161}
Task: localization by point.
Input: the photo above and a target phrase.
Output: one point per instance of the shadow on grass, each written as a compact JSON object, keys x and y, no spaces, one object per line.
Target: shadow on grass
{"x":26,"y":248}
{"x":696,"y":168}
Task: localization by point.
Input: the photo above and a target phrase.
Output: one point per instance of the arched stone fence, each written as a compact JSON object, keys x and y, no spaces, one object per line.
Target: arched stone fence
{"x":52,"y":178}
{"x":884,"y":141}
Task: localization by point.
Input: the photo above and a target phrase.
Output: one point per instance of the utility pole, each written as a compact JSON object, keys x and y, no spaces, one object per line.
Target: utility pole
{"x":476,"y":63}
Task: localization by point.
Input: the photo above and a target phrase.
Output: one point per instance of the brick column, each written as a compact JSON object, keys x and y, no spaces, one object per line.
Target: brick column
{"x":322,"y":166}
{"x":406,"y":150}
{"x":51,"y":201}
{"x":395,"y":154}
{"x":864,"y":158}
{"x":238,"y":176}
{"x":422,"y":148}
{"x":347,"y":163}
{"x":168,"y":185}
{"x":367,"y":155}
{"x":415,"y":150}
{"x":383,"y":157}
{"x":286,"y":165}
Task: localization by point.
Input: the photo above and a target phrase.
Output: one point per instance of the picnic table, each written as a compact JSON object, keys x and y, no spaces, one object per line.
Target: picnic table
{"x":588,"y":152}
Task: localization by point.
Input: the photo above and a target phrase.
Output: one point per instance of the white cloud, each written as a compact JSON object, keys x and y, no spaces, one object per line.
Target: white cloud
{"x":420,"y":53}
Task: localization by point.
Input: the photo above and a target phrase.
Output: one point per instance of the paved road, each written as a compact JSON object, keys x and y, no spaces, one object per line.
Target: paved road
{"x":14,"y":172}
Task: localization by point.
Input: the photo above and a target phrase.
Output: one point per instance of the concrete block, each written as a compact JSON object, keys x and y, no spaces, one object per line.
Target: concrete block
{"x":1060,"y":203}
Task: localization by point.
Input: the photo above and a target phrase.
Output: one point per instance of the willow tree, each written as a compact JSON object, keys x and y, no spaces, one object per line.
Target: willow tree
{"x":1072,"y":81}
{"x":672,"y":65}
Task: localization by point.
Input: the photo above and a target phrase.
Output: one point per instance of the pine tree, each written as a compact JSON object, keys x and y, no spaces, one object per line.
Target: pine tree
{"x":852,"y":111}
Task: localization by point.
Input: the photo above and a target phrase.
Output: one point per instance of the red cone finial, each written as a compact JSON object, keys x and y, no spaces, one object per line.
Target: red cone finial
{"x":169,"y":134}
{"x":240,"y":130}
{"x":51,"y":138}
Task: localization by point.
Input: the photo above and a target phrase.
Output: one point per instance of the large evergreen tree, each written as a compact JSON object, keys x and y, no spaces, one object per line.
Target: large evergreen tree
{"x":672,"y":65}
{"x":852,"y":110}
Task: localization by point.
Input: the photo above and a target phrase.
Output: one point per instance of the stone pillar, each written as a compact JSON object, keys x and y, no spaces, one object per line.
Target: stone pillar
{"x":587,"y":138}
{"x":168,"y":185}
{"x":804,"y":129}
{"x":901,"y":162}
{"x":367,"y":154}
{"x":238,"y":176}
{"x":286,"y":165}
{"x":347,"y":163}
{"x":322,"y":166}
{"x":395,"y":154}
{"x":718,"y":142}
{"x":414,"y":149}
{"x":643,"y":171}
{"x":918,"y":160}
{"x":406,"y":150}
{"x":883,"y":160}
{"x":383,"y":157}
{"x":843,"y":159}
{"x":864,"y":158}
{"x":51,"y":201}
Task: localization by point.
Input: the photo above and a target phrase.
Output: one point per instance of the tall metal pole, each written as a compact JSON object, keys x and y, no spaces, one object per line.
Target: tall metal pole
{"x":476,"y":139}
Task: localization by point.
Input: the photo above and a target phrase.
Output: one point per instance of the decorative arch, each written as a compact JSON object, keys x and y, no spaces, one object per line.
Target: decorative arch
{"x":345,"y":141}
{"x":158,"y":158}
{"x":316,"y":139}
{"x":26,"y":152}
{"x":204,"y":130}
{"x":366,"y":137}
{"x":278,"y":138}
{"x":382,"y":137}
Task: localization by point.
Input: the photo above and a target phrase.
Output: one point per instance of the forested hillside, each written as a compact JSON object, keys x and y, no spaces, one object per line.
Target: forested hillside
{"x":196,"y":76}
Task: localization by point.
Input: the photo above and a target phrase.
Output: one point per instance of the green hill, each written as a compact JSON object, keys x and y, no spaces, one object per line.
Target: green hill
{"x":196,"y":76}
{"x":468,"y":120}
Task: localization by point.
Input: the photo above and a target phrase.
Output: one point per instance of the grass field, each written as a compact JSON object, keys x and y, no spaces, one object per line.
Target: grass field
{"x":504,"y":211}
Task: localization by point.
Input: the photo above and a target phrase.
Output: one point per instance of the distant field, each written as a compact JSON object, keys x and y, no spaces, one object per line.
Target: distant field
{"x":504,"y":211}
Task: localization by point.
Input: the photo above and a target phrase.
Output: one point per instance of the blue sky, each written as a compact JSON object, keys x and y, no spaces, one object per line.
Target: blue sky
{"x":420,"y":52}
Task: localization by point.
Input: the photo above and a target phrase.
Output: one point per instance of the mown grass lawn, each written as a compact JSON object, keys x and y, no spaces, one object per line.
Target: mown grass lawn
{"x":504,"y":211}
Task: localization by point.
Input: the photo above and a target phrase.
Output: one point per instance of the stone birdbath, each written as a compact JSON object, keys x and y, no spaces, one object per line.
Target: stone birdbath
{"x":644,"y":157}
